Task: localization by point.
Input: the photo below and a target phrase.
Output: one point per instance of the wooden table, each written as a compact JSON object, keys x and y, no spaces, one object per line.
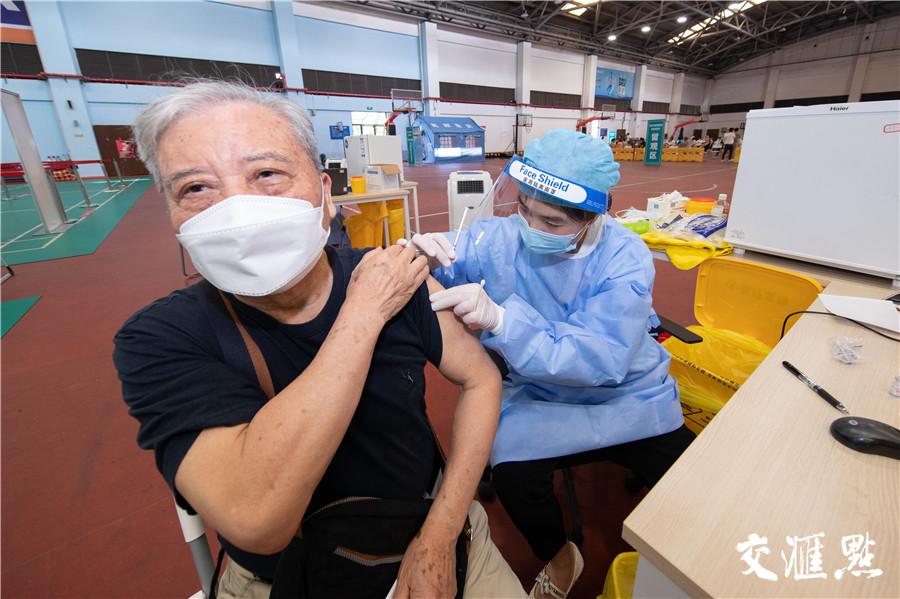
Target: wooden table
{"x":767,"y":465}
{"x":414,"y":188}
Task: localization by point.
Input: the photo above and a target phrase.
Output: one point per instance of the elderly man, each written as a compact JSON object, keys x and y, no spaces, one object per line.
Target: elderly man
{"x":291,"y":381}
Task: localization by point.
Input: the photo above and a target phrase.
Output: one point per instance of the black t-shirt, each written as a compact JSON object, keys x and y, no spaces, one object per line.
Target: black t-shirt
{"x":184,"y":368}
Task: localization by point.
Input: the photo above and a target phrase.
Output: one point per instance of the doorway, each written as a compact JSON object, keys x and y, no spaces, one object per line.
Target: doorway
{"x":106,"y":141}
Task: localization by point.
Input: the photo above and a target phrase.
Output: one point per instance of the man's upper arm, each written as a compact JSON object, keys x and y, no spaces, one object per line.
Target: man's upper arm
{"x":463,"y":359}
{"x":175,"y":386}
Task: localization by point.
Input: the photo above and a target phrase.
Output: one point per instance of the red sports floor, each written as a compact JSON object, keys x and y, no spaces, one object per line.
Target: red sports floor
{"x":84,"y":512}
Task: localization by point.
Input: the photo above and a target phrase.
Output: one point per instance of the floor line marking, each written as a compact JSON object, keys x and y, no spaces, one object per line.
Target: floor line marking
{"x":683,"y":191}
{"x":58,"y":235}
{"x":671,"y":178}
{"x":66,"y":210}
{"x":81,"y":198}
{"x":93,"y":210}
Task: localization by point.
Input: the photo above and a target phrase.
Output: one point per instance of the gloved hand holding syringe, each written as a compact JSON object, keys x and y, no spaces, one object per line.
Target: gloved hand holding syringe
{"x":436,"y":246}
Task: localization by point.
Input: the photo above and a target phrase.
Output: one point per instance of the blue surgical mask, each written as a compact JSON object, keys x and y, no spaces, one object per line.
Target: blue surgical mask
{"x":540,"y":242}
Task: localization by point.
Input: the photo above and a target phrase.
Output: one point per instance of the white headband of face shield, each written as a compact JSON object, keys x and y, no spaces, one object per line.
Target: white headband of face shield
{"x":255,"y":245}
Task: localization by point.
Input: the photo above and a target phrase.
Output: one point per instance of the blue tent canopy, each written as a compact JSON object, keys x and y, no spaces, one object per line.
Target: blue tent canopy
{"x":451,"y":138}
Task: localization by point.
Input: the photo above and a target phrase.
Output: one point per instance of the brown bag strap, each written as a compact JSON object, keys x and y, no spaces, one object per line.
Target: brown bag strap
{"x":256,"y":356}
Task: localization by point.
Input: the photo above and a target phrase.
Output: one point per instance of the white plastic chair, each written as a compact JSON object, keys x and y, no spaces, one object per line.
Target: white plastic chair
{"x":194,"y":531}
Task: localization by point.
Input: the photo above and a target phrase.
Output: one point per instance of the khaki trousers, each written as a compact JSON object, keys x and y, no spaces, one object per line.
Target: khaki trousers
{"x":488,"y":575}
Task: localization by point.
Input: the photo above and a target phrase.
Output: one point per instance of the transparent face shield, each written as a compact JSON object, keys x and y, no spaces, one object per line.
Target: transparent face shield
{"x":520,"y":180}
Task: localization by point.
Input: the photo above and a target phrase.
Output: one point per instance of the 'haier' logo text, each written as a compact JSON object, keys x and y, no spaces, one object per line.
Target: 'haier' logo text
{"x":839,"y":108}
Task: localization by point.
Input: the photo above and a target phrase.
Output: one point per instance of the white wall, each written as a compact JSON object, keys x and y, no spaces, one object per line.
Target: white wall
{"x":347,"y":15}
{"x":659,"y":86}
{"x":831,"y":78}
{"x":546,"y":119}
{"x":822,"y":66}
{"x":476,"y":60}
{"x":740,"y":87}
{"x":883,"y":72}
{"x":556,"y":71}
{"x":694,"y":88}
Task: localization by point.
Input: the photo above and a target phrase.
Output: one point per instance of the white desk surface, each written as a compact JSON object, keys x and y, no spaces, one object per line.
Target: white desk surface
{"x":350,"y":198}
{"x":767,"y":464}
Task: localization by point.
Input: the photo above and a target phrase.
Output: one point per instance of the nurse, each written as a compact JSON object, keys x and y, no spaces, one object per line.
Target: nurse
{"x":563,"y":294}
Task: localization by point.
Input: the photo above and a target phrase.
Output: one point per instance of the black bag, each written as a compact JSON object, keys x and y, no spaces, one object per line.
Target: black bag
{"x":353,"y":548}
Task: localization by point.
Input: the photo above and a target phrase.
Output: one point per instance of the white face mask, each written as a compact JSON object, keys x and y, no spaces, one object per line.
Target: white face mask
{"x":255,"y":245}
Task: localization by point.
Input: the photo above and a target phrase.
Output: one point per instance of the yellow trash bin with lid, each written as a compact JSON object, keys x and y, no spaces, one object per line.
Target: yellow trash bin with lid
{"x":741,"y":307}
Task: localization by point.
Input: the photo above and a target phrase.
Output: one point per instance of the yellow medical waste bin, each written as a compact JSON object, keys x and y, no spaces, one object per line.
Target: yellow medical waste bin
{"x":620,"y":577}
{"x":740,"y":307}
{"x":396,"y":220}
{"x":366,"y":229}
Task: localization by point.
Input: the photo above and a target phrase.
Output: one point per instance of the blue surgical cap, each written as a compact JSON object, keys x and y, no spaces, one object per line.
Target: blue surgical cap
{"x":575,"y":156}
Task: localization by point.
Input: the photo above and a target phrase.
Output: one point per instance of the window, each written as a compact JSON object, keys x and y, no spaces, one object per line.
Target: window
{"x":21,"y":59}
{"x":368,"y":123}
{"x":477,"y":93}
{"x":539,"y":98}
{"x":446,"y":141}
{"x":352,"y":83}
{"x":739,"y":107}
{"x":621,"y":104}
{"x":787,"y":103}
{"x":472,"y":141}
{"x":879,"y":96}
{"x":145,"y":67}
{"x":657,"y":107}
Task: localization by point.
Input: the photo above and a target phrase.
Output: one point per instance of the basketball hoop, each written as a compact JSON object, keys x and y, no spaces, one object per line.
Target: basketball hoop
{"x":408,"y":101}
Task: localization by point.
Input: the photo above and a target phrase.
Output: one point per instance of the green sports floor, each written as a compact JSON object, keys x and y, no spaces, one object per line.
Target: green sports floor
{"x":22,"y":241}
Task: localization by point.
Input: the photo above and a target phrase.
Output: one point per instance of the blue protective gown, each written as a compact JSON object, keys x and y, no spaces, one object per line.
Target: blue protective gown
{"x":584,"y":372}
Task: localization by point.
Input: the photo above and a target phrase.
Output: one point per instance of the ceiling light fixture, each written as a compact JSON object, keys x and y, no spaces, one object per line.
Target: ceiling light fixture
{"x":612,"y":37}
{"x":682,"y":19}
{"x":645,"y":29}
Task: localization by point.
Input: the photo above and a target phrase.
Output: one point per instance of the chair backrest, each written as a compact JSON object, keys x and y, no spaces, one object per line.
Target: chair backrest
{"x":749,"y":298}
{"x":194,"y":531}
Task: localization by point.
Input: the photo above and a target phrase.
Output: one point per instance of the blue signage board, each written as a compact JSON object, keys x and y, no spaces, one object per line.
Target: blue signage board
{"x":339,"y":132}
{"x":12,"y":14}
{"x":614,"y":84}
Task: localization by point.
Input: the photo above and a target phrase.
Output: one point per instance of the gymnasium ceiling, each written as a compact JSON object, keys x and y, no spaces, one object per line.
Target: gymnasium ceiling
{"x":698,"y":37}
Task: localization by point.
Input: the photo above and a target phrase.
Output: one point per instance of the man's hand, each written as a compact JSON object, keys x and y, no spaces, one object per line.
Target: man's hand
{"x":438,"y":248}
{"x":385,"y":280}
{"x":428,"y":569}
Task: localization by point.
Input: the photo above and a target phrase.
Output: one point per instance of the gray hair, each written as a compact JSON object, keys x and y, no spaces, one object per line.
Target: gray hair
{"x":163,"y":112}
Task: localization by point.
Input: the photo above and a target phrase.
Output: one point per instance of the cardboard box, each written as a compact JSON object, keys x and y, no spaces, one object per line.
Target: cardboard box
{"x":382,"y":177}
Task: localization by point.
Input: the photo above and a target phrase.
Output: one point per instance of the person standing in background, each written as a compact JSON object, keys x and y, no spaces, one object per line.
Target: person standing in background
{"x":728,"y":139}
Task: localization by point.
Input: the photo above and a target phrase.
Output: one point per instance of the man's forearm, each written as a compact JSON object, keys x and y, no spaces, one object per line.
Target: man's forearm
{"x":305,"y":423}
{"x":272,"y":466}
{"x":474,"y":426}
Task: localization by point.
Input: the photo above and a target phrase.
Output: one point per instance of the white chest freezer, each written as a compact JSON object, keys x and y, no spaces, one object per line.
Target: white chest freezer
{"x":822,"y":184}
{"x":363,"y":150}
